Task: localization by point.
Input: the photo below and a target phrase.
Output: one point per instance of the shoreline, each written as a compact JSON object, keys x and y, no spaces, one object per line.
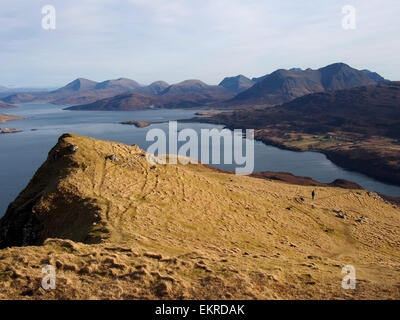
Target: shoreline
{"x":6,"y":118}
{"x":340,"y":158}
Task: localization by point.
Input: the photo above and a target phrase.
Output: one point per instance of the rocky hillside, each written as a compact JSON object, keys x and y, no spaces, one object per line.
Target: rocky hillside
{"x":134,"y":230}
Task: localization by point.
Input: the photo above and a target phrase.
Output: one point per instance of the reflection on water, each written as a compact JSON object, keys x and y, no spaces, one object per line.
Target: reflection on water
{"x":22,"y":153}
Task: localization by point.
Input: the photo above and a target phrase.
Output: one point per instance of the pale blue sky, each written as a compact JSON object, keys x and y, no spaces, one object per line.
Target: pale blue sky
{"x":174,"y":40}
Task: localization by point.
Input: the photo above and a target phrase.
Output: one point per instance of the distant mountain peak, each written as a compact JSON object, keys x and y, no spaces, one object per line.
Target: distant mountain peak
{"x":79,"y":84}
{"x":191,"y":82}
{"x":121,"y":83}
{"x":237,"y":84}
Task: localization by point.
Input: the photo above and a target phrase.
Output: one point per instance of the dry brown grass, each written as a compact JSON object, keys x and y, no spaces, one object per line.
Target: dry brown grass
{"x":190,"y":232}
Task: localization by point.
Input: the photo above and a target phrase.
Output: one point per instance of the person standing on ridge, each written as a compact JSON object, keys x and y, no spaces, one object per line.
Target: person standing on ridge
{"x":313,"y":194}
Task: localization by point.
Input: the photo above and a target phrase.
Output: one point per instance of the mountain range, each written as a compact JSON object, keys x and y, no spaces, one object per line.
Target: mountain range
{"x":186,"y":94}
{"x":82,"y":91}
{"x":233,"y":92}
{"x":285,"y":85}
{"x":273,"y":89}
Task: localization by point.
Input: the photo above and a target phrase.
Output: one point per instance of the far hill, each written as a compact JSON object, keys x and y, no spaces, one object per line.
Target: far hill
{"x":118,"y":84}
{"x":186,"y":94}
{"x":368,"y":110}
{"x":123,"y":102}
{"x":118,"y":227}
{"x":153,"y":89}
{"x":80,"y":91}
{"x":237,"y":84}
{"x":5,"y":105}
{"x":193,"y":87}
{"x":78,"y":85}
{"x":285,"y":85}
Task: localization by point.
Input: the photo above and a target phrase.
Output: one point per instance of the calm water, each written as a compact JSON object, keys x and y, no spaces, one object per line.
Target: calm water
{"x":22,"y":153}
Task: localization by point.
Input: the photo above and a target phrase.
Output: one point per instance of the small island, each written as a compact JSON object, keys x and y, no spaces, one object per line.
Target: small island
{"x":4,"y":118}
{"x":138,"y":124}
{"x":9,"y":130}
{"x":208,"y":113}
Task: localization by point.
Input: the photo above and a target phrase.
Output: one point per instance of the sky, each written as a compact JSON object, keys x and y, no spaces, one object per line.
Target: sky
{"x":175,"y":40}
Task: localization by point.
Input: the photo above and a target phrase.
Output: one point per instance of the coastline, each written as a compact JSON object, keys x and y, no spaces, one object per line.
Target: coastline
{"x":375,"y":168}
{"x":5,"y":118}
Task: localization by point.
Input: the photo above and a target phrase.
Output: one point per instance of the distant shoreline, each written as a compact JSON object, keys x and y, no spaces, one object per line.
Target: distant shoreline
{"x":5,"y":118}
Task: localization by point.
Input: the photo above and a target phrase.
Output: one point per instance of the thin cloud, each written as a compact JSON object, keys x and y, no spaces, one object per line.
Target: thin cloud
{"x":174,"y":40}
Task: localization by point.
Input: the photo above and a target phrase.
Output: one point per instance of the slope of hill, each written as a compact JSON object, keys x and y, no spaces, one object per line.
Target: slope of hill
{"x":370,"y":110}
{"x":77,"y":85}
{"x":237,"y":84}
{"x":175,"y":231}
{"x":24,"y":97}
{"x":285,"y":85}
{"x":357,"y":128}
{"x":123,"y":102}
{"x":374,"y":76}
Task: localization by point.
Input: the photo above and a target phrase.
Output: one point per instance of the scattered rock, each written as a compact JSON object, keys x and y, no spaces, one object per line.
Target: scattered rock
{"x":63,"y":243}
{"x":153,"y":256}
{"x":112,"y":157}
{"x":73,"y":148}
{"x":362,"y":219}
